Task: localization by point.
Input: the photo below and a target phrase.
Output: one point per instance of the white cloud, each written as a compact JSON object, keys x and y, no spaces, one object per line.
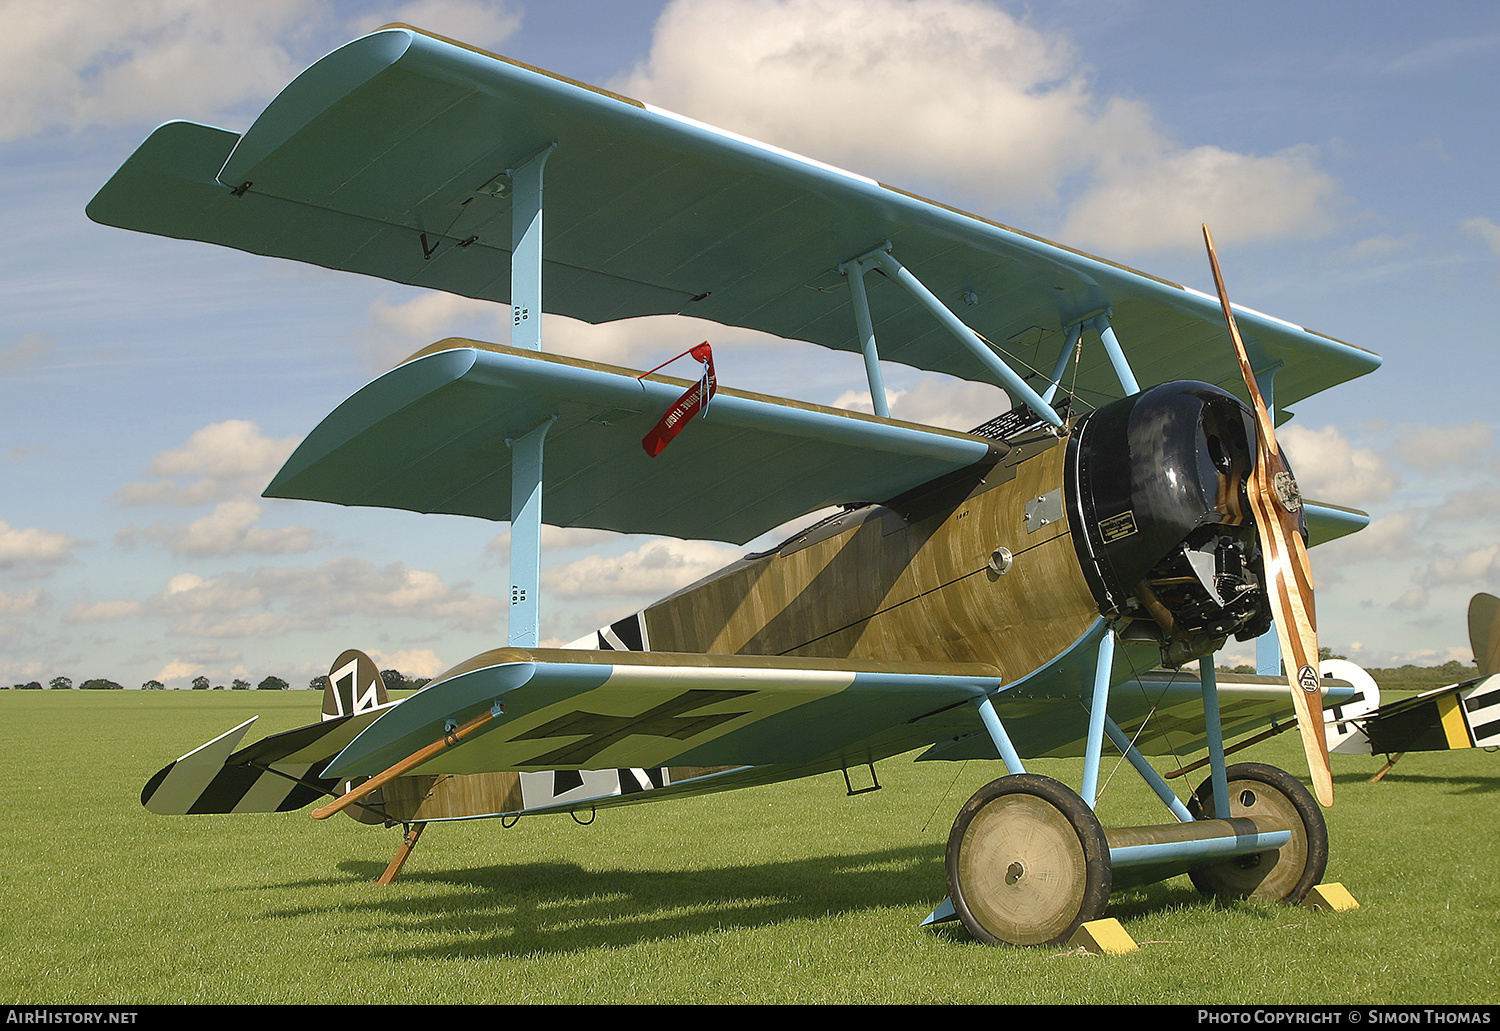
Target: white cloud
{"x":899,"y":90}
{"x":1377,"y":248}
{"x":1477,"y":509}
{"x":228,"y":530}
{"x":245,"y":624}
{"x":103,"y":611}
{"x":74,"y":64}
{"x":413,"y":662}
{"x":1469,"y":444}
{"x":398,"y":330}
{"x":218,"y":462}
{"x":178,"y":669}
{"x":23,"y":603}
{"x":189,"y":592}
{"x":1477,"y":568}
{"x":1158,"y":200}
{"x":1485,"y":230}
{"x":935,"y":401}
{"x":32,"y":349}
{"x":645,"y":342}
{"x":975,"y":101}
{"x":78,"y":63}
{"x":1412,"y":600}
{"x":24,"y":549}
{"x":655,"y":569}
{"x":265,"y":602}
{"x":558,"y":537}
{"x":1330,"y":468}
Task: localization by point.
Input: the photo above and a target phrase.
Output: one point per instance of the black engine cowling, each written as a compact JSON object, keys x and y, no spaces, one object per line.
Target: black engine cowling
{"x":1161,"y":519}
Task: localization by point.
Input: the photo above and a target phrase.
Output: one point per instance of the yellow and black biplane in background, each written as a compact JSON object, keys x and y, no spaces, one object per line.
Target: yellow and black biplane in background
{"x":1461,"y":715}
{"x":1002,"y":594}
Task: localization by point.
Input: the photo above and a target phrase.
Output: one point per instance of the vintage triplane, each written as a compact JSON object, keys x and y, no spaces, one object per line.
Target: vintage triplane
{"x":1028,"y":589}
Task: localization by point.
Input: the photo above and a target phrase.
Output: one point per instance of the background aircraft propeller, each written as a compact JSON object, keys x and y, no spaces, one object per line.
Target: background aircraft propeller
{"x":1289,"y":582}
{"x":1484,"y":632}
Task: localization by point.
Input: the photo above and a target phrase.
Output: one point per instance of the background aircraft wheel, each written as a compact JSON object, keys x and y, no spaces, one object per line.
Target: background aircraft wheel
{"x":1027,"y":862}
{"x":1285,"y":874}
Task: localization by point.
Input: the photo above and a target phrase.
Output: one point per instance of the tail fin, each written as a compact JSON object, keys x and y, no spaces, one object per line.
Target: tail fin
{"x":354,"y":684}
{"x":1484,"y":632}
{"x":1346,"y":732}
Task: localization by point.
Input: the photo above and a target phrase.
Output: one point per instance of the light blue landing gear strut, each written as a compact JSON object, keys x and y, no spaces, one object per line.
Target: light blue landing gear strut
{"x":1028,"y":861}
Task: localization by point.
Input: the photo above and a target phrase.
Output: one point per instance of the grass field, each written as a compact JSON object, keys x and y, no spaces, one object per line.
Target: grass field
{"x":787,"y":894}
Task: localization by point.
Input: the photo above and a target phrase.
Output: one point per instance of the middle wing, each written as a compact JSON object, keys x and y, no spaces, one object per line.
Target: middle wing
{"x":430,"y":436}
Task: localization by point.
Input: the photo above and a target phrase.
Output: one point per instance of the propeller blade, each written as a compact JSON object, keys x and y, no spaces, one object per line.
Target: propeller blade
{"x":1484,"y":632}
{"x":1289,"y":582}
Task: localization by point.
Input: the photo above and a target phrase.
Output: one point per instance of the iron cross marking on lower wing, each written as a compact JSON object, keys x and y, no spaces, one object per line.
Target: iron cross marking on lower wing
{"x":669,"y":719}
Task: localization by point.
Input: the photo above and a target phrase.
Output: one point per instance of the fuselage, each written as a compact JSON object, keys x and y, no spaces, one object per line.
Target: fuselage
{"x":1134,"y":513}
{"x":916,"y":578}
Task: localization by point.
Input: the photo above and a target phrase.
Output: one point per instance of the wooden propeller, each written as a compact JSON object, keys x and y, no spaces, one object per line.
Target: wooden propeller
{"x":1275,"y":500}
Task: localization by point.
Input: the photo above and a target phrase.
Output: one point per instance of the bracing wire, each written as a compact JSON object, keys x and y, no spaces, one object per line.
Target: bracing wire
{"x":1154,"y":706}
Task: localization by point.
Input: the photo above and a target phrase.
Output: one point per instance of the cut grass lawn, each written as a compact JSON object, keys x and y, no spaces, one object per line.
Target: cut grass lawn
{"x":786,"y":894}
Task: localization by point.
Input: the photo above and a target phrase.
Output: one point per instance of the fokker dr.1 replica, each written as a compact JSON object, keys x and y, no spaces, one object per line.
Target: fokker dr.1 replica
{"x":1461,"y":715}
{"x":1002,"y":593}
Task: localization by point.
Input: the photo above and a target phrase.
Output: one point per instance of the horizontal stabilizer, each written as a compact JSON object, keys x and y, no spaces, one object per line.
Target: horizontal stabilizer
{"x":175,"y":790}
{"x":277,"y":774}
{"x":431,"y":436}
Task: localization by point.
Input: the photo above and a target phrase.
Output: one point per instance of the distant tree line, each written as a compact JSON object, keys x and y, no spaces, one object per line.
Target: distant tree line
{"x":1400,"y":678}
{"x":395,"y":680}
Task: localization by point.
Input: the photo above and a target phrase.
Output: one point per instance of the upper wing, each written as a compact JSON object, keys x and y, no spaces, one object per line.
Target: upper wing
{"x":430,"y":436}
{"x":389,"y":157}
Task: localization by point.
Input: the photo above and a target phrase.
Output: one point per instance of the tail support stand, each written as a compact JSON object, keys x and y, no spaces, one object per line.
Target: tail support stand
{"x":403,"y":852}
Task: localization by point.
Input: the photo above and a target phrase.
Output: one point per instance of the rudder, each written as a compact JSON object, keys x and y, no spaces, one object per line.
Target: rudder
{"x":354,"y":684}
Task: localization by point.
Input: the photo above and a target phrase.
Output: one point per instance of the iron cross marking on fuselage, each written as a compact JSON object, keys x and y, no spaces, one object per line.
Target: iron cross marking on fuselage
{"x":669,"y":719}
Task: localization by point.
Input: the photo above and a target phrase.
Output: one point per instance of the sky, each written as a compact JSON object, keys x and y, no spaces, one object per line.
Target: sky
{"x":1343,"y":152}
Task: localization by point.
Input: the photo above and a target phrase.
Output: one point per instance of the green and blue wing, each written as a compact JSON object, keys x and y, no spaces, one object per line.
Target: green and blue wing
{"x":389,"y":158}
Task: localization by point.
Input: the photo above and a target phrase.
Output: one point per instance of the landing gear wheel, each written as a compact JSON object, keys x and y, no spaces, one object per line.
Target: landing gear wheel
{"x":1027,"y":862}
{"x":1285,"y":874}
